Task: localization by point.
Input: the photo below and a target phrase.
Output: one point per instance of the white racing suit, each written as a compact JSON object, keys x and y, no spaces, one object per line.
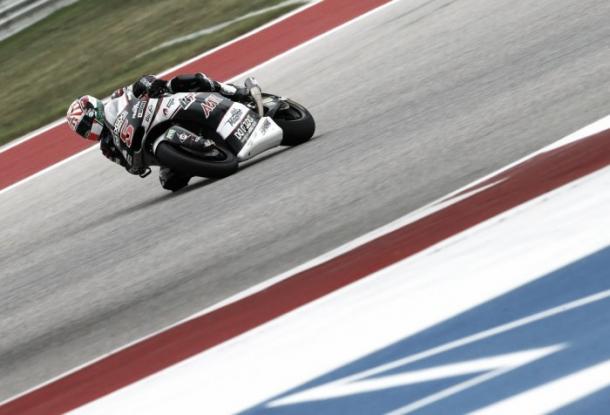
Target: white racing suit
{"x":154,"y":87}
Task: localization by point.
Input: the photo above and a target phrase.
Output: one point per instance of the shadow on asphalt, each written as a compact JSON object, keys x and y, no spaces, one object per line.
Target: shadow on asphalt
{"x":170,"y":195}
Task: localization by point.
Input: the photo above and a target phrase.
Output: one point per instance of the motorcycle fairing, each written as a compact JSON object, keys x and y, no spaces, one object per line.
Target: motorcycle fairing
{"x":265,"y":135}
{"x":184,"y":138}
{"x":202,"y":108}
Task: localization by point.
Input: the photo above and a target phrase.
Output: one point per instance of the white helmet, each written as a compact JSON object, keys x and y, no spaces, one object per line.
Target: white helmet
{"x":86,"y":117}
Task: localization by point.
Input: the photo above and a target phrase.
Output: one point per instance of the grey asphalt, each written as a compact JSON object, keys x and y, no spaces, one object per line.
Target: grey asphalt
{"x":411,"y":103}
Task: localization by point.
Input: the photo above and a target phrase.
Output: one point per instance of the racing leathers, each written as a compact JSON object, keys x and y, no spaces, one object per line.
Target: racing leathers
{"x":152,"y":87}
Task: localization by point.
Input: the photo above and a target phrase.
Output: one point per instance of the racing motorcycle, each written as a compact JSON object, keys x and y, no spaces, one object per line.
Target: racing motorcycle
{"x":206,"y":134}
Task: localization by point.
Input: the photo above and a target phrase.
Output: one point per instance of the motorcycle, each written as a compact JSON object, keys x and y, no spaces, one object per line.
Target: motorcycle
{"x":206,"y":134}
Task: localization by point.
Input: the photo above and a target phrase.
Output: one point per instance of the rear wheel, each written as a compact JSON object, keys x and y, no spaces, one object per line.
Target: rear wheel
{"x":215,"y":165}
{"x":296,"y":122}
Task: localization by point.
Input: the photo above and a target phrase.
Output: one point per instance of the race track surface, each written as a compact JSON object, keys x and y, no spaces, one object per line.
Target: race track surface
{"x":411,"y":102}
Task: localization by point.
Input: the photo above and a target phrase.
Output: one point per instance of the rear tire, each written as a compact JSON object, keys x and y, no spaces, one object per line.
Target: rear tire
{"x":296,"y":122}
{"x":189,"y":164}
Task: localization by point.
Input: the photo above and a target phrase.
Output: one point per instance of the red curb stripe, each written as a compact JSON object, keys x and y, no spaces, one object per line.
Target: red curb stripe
{"x":530,"y":179}
{"x":59,"y":143}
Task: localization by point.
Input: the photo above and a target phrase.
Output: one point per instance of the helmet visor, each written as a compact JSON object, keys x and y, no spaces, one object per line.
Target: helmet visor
{"x":84,"y":126}
{"x":91,"y":124}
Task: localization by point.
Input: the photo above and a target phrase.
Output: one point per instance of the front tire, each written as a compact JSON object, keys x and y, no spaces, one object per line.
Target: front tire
{"x":296,"y":122}
{"x":191,"y":164}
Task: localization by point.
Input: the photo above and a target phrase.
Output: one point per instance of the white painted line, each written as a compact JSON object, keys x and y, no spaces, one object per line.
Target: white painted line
{"x":482,"y":335}
{"x":237,"y":39}
{"x":553,"y":395}
{"x":508,"y":362}
{"x":495,"y":364}
{"x":591,"y":129}
{"x":48,"y":169}
{"x":598,"y":126}
{"x":216,"y":28}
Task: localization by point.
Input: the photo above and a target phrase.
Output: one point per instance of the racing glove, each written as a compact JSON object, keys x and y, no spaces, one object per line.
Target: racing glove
{"x":236,"y":93}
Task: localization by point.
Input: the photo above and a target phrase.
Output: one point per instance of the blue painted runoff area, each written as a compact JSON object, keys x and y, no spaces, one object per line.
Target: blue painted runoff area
{"x":583,"y":331}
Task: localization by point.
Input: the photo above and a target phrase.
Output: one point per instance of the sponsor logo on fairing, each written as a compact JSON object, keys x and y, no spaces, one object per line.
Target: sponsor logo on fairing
{"x":137,"y":110}
{"x":265,"y":126}
{"x":149,"y":113}
{"x":234,"y":116}
{"x":118,"y":123}
{"x":186,"y":101}
{"x":170,"y":134}
{"x":231,"y":119}
{"x":122,"y":129}
{"x":183,"y":137}
{"x":210,"y":104}
{"x":244,"y":130}
{"x":127,"y":133}
{"x":169,"y":107}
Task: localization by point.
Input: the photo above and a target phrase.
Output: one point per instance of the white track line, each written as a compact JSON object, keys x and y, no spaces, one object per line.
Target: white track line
{"x":598,"y":126}
{"x":554,"y":395}
{"x":217,"y":27}
{"x":46,"y":170}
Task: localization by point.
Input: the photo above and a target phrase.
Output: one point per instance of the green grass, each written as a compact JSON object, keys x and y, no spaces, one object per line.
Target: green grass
{"x":89,"y":48}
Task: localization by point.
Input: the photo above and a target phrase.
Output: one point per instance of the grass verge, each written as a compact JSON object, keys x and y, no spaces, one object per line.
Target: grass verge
{"x":89,"y":48}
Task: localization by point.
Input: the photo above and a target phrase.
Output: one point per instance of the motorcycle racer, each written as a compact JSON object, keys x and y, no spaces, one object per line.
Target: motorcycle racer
{"x":90,"y":118}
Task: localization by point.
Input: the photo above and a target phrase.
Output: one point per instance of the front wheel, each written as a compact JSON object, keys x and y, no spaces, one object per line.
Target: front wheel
{"x":221,"y":163}
{"x":296,"y":122}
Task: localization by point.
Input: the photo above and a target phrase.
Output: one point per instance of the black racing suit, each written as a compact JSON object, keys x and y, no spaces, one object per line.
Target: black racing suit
{"x":154,"y":87}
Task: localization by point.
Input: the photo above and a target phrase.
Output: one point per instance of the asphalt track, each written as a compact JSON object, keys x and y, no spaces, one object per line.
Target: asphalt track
{"x":412,"y":102}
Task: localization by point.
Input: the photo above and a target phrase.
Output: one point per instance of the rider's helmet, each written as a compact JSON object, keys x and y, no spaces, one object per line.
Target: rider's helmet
{"x":86,"y":117}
